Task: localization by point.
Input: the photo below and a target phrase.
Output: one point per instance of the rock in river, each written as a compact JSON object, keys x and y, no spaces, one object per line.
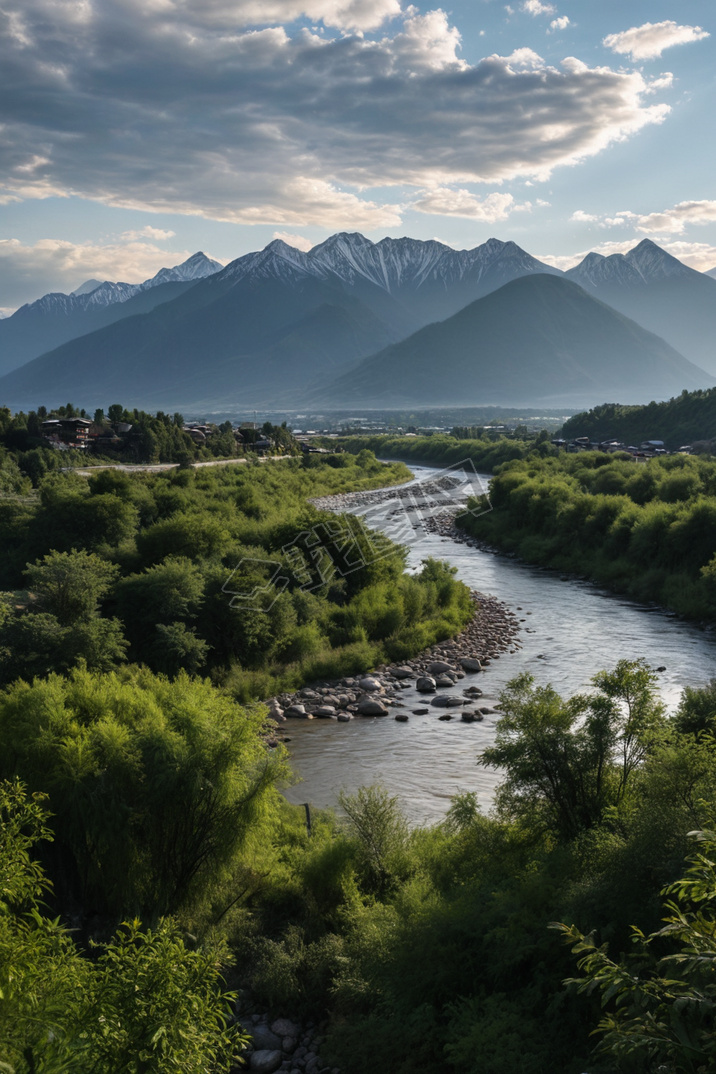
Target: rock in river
{"x":368,"y":706}
{"x":425,"y":685}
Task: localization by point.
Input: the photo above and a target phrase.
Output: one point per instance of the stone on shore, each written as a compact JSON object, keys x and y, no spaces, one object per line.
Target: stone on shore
{"x":297,"y":711}
{"x":439,"y":666}
{"x":370,"y":684}
{"x":469,"y":663}
{"x":368,"y":706}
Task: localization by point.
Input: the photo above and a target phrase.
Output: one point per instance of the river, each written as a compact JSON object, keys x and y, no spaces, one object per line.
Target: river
{"x":569,"y":631}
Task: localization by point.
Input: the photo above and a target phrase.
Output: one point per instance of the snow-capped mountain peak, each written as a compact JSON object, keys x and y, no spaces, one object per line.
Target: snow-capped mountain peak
{"x":653,"y":263}
{"x":196,"y":267}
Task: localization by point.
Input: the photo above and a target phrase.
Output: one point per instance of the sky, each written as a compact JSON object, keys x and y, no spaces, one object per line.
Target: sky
{"x":136,"y":132}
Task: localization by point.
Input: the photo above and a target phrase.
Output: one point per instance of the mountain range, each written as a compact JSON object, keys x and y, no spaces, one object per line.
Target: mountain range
{"x":55,"y":318}
{"x":278,"y":327}
{"x":537,"y":340}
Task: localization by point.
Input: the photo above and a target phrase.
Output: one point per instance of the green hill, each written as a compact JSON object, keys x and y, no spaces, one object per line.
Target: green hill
{"x":688,"y":417}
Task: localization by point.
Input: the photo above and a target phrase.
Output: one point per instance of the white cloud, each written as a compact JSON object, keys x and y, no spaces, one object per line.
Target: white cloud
{"x":647,"y":42}
{"x":157,"y":234}
{"x":429,"y":41}
{"x":580,"y":217}
{"x":536,"y":7}
{"x":558,"y":24}
{"x":303,"y":201}
{"x":445,"y":202}
{"x":157,"y":105}
{"x":58,"y":265}
{"x":667,"y":222}
{"x":297,"y":241}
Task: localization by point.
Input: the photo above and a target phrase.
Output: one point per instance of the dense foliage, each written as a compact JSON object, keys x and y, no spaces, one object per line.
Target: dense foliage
{"x":432,"y":950}
{"x":685,"y":419}
{"x":144,"y":1002}
{"x":484,"y":452}
{"x":148,"y":791}
{"x":154,"y":568}
{"x":151,"y":438}
{"x":647,"y":529}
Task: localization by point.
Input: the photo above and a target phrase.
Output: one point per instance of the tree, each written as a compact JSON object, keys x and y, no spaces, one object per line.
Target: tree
{"x":178,"y":648}
{"x":146,"y":1002}
{"x":155,"y":785}
{"x":376,"y":821}
{"x":169,"y":592}
{"x":662,"y":1005}
{"x":70,"y":585}
{"x":566,"y":761}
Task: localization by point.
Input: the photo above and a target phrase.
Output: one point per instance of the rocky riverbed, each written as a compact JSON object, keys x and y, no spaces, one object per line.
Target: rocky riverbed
{"x":280,"y":1044}
{"x":435,"y":673}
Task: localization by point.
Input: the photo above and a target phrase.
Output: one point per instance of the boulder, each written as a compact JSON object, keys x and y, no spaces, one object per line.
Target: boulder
{"x":468,"y":717}
{"x":441,"y":701}
{"x":401,"y":717}
{"x":420,"y":712}
{"x":297,"y":711}
{"x":425,"y":685}
{"x":368,"y":706}
{"x":438,"y":666}
{"x":265,"y":1060}
{"x":282,"y":1027}
{"x":469,"y":663}
{"x":264,"y":1039}
{"x":444,"y":680}
{"x":369,"y":684}
{"x":445,"y":716}
{"x":403,"y":673}
{"x":344,"y":717}
{"x":325,"y":711}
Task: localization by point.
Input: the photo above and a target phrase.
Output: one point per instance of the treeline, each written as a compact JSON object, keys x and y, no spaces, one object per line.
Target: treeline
{"x":443,"y":450}
{"x":152,"y":438}
{"x":645,"y":529}
{"x":685,"y":419}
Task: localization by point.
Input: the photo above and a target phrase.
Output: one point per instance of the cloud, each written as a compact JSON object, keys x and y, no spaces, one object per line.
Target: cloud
{"x":339,"y":14}
{"x":446,"y":202}
{"x":647,"y":42}
{"x":559,"y":24}
{"x":667,"y":222}
{"x":536,"y":7}
{"x":158,"y":234}
{"x":297,"y":241}
{"x":29,"y":271}
{"x":158,"y":105}
{"x":580,"y":217}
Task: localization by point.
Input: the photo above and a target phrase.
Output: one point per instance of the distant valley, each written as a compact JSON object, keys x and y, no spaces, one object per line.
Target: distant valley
{"x":393,"y":323}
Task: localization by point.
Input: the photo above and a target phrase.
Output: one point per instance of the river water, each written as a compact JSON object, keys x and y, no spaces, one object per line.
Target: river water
{"x":569,"y":631}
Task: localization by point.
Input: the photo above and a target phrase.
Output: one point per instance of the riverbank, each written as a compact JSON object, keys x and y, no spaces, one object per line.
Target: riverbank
{"x":437,"y":670}
{"x":434,"y":673}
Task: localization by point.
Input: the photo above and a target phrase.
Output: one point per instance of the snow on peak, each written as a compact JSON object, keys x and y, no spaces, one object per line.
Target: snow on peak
{"x":196,"y":267}
{"x":653,"y":263}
